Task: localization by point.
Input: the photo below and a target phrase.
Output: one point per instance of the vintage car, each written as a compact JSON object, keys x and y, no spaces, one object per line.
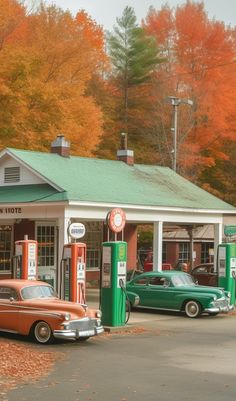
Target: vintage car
{"x":176,"y":291}
{"x":204,"y":274}
{"x":32,"y":308}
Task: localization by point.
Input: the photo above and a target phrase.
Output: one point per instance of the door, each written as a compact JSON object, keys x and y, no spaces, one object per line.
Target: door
{"x":163,"y":294}
{"x":9,"y":309}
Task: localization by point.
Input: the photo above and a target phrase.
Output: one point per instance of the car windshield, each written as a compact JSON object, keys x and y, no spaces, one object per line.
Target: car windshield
{"x":38,"y":291}
{"x":180,"y":280}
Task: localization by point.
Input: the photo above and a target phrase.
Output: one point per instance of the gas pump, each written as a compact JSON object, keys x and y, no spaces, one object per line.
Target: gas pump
{"x":73,"y":270}
{"x":226,"y":265}
{"x":25,"y":261}
{"x":113,"y":281}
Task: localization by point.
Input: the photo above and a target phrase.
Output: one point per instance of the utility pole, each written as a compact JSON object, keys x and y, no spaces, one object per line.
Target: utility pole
{"x":175,"y":102}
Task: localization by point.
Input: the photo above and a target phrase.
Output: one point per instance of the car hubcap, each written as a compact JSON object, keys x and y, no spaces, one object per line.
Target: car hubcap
{"x":192,"y":309}
{"x":43,"y":332}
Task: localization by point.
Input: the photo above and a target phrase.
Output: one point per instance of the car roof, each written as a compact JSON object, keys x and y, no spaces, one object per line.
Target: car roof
{"x":166,"y":273}
{"x":18,"y":283}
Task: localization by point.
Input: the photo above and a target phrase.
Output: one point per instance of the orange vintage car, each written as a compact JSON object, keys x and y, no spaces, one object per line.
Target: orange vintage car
{"x":32,"y":308}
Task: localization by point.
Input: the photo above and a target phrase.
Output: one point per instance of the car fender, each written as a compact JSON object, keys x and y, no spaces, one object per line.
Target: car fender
{"x":133,"y":298}
{"x":28,"y":318}
{"x":203,"y":298}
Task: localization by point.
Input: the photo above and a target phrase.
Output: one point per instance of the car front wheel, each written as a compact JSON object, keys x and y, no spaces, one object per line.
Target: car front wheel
{"x":42,"y":333}
{"x":193,"y":309}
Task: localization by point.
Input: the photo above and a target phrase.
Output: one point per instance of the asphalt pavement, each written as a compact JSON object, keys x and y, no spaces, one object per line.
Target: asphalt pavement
{"x":162,"y":356}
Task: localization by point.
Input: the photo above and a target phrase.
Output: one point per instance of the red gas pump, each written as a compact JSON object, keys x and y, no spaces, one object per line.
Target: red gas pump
{"x":73,"y":270}
{"x":25,"y":261}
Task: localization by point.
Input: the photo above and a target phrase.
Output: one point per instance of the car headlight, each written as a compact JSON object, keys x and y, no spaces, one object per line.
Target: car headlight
{"x":67,"y":316}
{"x":99,"y":314}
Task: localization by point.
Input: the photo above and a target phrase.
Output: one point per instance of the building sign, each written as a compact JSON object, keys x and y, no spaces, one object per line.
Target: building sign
{"x":76,"y":230}
{"x":116,"y":220}
{"x":10,"y":210}
{"x":230,"y":230}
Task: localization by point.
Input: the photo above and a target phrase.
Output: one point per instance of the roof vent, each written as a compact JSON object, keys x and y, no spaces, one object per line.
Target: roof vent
{"x":123,"y":154}
{"x":11,"y":174}
{"x":61,"y":146}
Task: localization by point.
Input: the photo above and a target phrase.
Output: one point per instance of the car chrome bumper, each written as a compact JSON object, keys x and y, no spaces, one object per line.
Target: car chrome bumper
{"x":76,"y":334}
{"x":219,"y":309}
{"x":75,"y":329}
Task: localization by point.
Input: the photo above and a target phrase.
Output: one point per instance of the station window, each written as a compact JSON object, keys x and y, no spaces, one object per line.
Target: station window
{"x":5,"y":248}
{"x":93,"y":239}
{"x":184,"y":254}
{"x":46,"y":245}
{"x":205,"y":251}
{"x":164,"y":252}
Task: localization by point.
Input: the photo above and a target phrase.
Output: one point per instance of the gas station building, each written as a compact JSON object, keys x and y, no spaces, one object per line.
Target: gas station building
{"x":41,"y":194}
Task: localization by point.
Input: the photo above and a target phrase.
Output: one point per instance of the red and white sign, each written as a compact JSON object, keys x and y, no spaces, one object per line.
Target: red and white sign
{"x":116,"y":220}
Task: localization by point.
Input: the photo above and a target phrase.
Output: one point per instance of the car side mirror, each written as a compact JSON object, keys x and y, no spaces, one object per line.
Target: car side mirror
{"x":196,"y":281}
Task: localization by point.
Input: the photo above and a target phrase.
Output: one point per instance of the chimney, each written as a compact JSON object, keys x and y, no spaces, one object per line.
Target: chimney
{"x":123,"y":154}
{"x":61,"y":146}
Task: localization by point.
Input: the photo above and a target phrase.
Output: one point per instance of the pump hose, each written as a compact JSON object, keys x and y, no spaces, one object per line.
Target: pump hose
{"x":122,"y":286}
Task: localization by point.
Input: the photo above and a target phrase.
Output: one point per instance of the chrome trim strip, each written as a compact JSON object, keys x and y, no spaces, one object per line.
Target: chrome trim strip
{"x":20,"y":306}
{"x":9,"y":331}
{"x":155,"y":308}
{"x":33,"y":312}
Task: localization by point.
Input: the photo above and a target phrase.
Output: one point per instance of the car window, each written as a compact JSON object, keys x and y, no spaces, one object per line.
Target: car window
{"x":157,"y":281}
{"x":182,"y":280}
{"x":7,"y":293}
{"x":38,"y":291}
{"x":141,"y":281}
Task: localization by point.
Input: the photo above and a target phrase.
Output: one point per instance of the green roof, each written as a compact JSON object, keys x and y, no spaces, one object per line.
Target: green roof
{"x":30,"y":193}
{"x":111,"y":181}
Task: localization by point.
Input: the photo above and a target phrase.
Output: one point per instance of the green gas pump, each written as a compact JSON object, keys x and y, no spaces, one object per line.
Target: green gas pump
{"x":113,"y":281}
{"x":226,"y":261}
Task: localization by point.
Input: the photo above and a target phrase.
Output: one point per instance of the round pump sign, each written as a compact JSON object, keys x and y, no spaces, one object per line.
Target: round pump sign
{"x":116,"y":220}
{"x":76,"y":230}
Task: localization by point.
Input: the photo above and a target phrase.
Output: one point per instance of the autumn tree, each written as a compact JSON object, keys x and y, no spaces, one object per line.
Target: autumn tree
{"x":46,"y":76}
{"x":200,"y":66}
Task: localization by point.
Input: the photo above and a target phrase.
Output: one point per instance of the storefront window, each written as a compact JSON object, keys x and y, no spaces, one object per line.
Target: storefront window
{"x":5,"y":248}
{"x":93,"y":240}
{"x":46,"y":245}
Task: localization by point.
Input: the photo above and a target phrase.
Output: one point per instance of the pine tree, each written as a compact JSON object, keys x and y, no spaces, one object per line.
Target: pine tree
{"x":134,"y":56}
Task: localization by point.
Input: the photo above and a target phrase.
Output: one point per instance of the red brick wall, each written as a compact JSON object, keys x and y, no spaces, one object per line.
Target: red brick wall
{"x":25,"y":227}
{"x":130,"y":236}
{"x":172,"y":252}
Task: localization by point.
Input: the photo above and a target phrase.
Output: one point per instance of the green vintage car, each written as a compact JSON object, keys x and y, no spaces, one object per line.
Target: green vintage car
{"x":176,"y":291}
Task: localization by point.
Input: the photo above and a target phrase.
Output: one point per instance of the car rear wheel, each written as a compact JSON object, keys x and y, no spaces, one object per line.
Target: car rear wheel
{"x":42,"y":333}
{"x":193,"y":309}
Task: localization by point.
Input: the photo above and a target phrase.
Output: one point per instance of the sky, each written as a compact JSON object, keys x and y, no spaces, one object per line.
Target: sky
{"x":104,"y":12}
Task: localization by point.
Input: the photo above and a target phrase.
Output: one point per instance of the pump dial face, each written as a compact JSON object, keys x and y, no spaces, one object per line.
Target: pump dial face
{"x":116,"y":220}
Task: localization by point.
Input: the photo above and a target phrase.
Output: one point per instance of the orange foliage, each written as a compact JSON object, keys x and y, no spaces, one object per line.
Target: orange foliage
{"x":12,"y":21}
{"x":46,"y":65}
{"x":200,"y":66}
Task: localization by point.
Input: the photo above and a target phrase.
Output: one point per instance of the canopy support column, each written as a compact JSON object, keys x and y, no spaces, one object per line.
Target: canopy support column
{"x":157,"y":245}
